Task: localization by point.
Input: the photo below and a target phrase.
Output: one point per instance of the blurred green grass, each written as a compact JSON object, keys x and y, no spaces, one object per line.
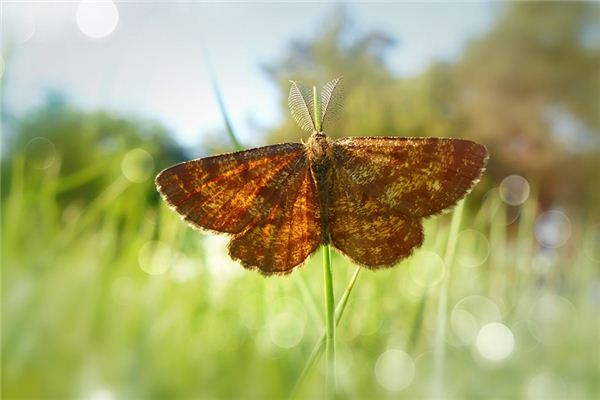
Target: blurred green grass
{"x":117,"y":298}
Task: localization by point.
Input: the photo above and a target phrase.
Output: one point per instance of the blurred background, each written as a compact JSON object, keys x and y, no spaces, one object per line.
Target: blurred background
{"x":106,"y":294}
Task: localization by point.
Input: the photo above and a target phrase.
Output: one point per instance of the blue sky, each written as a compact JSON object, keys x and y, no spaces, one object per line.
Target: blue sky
{"x":151,"y":62}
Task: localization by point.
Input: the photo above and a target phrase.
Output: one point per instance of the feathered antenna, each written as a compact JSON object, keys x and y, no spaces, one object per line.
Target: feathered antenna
{"x":302,"y":106}
{"x":330,"y":100}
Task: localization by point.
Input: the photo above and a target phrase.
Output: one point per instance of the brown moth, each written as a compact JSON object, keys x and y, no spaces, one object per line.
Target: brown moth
{"x":364,"y":195}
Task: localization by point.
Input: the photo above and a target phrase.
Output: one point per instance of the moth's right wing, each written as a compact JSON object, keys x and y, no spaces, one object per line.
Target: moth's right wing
{"x":383,"y":186}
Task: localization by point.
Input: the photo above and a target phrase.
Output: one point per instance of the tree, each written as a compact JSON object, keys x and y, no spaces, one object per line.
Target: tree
{"x":530,"y":90}
{"x":78,"y":140}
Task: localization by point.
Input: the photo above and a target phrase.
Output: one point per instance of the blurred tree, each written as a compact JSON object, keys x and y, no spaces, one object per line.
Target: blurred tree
{"x":73,"y":141}
{"x":530,"y":90}
{"x":359,"y":60}
{"x":375,"y":101}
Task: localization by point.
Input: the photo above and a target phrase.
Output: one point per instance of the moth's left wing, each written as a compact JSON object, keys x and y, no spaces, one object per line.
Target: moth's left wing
{"x":265,"y":197}
{"x":417,"y":177}
{"x":289,"y":234}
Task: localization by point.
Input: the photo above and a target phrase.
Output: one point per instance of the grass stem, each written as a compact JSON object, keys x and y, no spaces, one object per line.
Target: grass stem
{"x":328,"y":281}
{"x":318,"y":349}
{"x":329,"y":320}
{"x":237,"y":145}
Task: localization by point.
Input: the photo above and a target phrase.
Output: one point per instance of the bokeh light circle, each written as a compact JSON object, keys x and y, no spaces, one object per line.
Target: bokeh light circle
{"x":470,"y":314}
{"x":137,"y":165}
{"x":499,"y":213}
{"x":40,"y":153}
{"x":546,"y":385}
{"x":19,"y":22}
{"x":464,"y":325}
{"x":426,"y":268}
{"x":394,"y":370}
{"x":551,"y":319}
{"x":286,"y":330}
{"x":183,"y":269}
{"x":552,"y":228}
{"x":287,"y":322}
{"x":514,"y":190}
{"x":102,"y":394}
{"x":495,"y":341}
{"x":475,"y":246}
{"x":97,"y":18}
{"x":155,"y":257}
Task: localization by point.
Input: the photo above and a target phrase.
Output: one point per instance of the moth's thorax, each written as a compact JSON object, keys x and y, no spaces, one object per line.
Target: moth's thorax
{"x":320,"y":155}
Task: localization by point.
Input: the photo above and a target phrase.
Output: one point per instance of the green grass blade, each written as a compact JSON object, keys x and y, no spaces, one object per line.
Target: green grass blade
{"x":329,"y":321}
{"x":237,"y":145}
{"x":318,"y":349}
{"x":439,"y":347}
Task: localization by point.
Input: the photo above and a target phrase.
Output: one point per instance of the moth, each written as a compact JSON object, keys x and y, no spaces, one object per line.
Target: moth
{"x":366,"y":196}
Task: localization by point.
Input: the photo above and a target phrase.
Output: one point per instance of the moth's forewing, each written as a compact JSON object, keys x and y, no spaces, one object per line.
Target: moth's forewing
{"x":383,"y":186}
{"x":238,"y":192}
{"x":416,"y":176}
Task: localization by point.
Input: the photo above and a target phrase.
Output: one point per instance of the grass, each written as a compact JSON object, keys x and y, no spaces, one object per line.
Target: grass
{"x":81,"y":317}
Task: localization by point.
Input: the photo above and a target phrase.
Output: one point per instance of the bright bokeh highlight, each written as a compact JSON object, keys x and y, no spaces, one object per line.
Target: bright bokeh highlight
{"x":514,"y":190}
{"x":552,"y":228}
{"x":155,"y":257}
{"x":137,"y":165}
{"x":394,"y":370}
{"x":478,"y":248}
{"x":495,"y":341}
{"x":97,"y":19}
{"x":426,"y":268}
{"x":40,"y":152}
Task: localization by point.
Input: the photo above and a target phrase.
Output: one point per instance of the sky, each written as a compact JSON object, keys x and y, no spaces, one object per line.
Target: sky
{"x":148,"y":58}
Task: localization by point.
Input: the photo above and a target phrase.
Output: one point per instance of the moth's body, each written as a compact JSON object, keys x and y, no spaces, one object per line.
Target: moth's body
{"x":319,"y":150}
{"x":364,"y":195}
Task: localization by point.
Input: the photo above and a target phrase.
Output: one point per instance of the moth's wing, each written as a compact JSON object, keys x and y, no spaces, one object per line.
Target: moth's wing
{"x":382,"y":187}
{"x":417,"y":177}
{"x":291,"y":231}
{"x":262,"y":196}
{"x":368,"y":232}
{"x":228,"y":192}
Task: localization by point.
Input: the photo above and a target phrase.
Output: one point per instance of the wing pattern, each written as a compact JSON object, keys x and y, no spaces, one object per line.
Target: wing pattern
{"x":416,"y":176}
{"x":264,"y":196}
{"x":368,"y":232}
{"x":383,"y":186}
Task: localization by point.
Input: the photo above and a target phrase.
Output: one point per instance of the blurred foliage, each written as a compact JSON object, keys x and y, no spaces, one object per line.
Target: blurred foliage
{"x":98,"y":306}
{"x":529,"y":89}
{"x":88,"y":147}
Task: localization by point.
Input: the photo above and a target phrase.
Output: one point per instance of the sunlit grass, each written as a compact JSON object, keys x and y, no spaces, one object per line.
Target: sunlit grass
{"x":83,"y":312}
